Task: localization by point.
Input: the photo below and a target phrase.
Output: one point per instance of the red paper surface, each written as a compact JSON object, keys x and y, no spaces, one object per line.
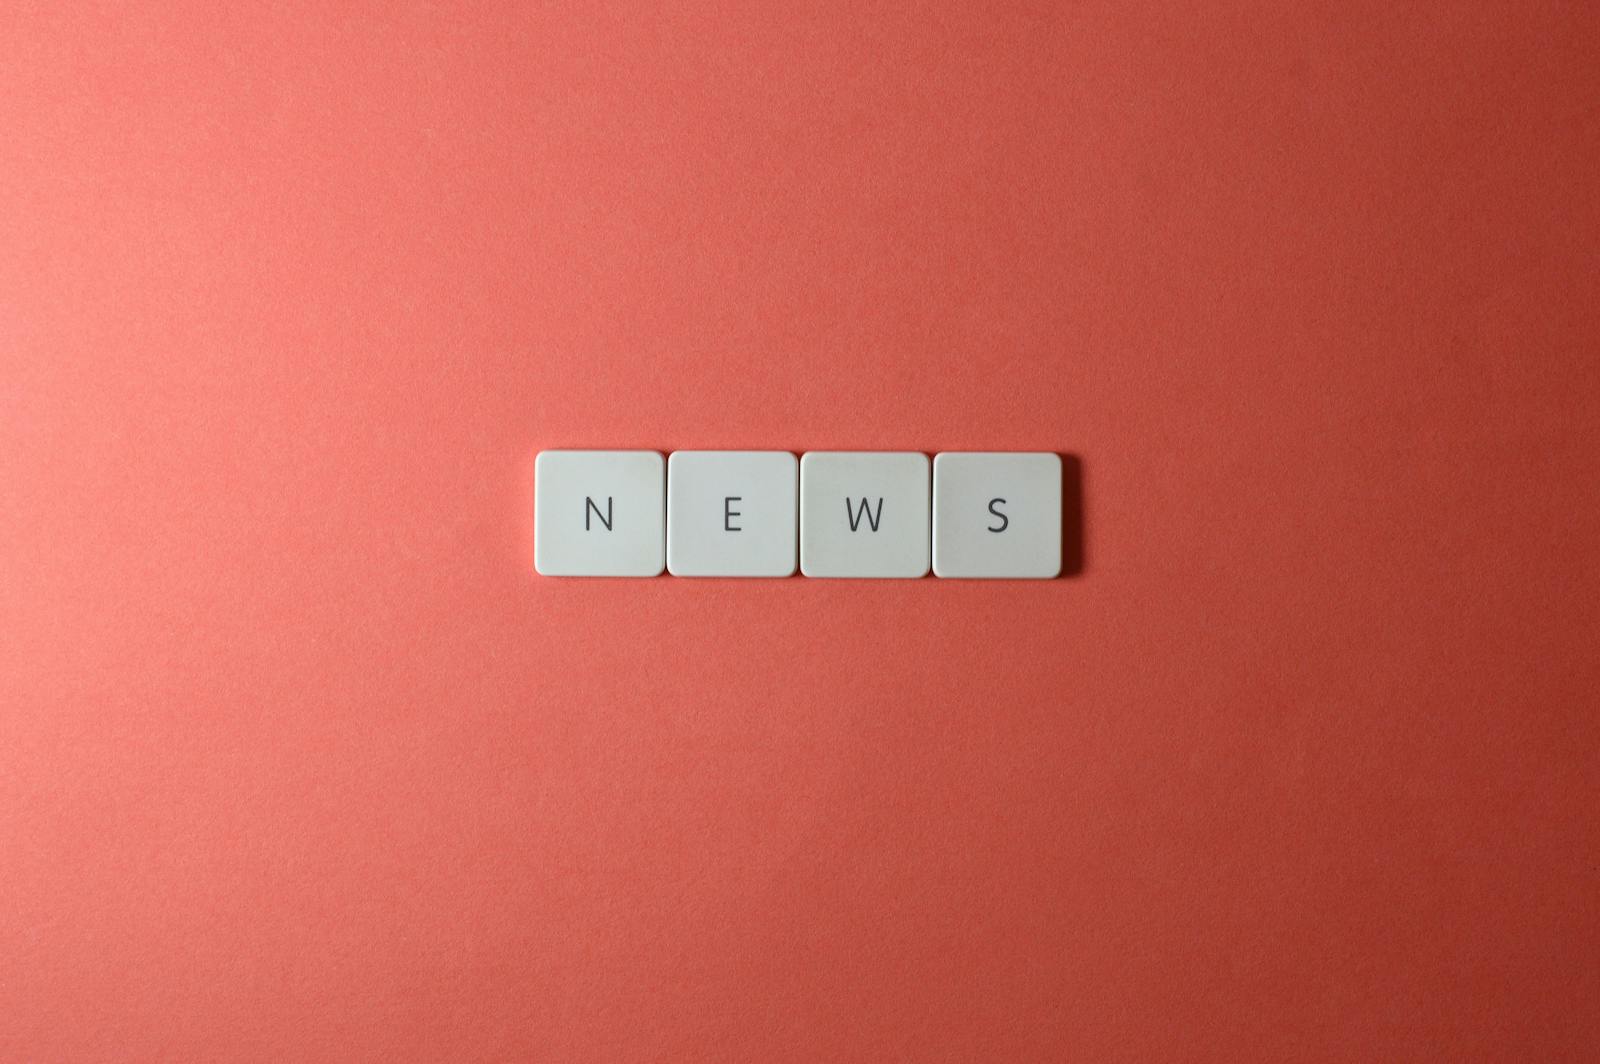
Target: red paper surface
{"x":299,"y":759}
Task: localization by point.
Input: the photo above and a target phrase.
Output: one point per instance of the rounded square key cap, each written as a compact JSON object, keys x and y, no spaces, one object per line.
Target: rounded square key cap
{"x":997,"y":514}
{"x":864,"y":513}
{"x":732,"y":513}
{"x":599,"y":513}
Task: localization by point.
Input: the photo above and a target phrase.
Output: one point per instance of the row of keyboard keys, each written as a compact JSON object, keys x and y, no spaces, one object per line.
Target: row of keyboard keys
{"x":841,"y":513}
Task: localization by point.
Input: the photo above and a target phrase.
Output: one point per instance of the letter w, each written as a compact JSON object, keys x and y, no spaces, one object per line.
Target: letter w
{"x":855,"y":515}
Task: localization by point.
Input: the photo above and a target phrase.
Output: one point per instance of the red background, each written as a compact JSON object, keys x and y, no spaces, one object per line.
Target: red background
{"x":300,"y":760}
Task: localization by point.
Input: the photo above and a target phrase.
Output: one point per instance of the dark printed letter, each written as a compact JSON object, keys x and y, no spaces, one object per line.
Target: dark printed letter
{"x":1005,"y":521}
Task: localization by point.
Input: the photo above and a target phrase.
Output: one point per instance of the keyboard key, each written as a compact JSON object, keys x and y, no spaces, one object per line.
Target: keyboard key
{"x":997,"y":515}
{"x":732,"y":513}
{"x":864,"y":513}
{"x":599,"y":513}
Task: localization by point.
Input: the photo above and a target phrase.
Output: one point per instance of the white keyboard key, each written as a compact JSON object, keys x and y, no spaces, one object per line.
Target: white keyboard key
{"x":997,"y":514}
{"x":599,"y":513}
{"x":732,"y":513}
{"x":864,"y":513}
